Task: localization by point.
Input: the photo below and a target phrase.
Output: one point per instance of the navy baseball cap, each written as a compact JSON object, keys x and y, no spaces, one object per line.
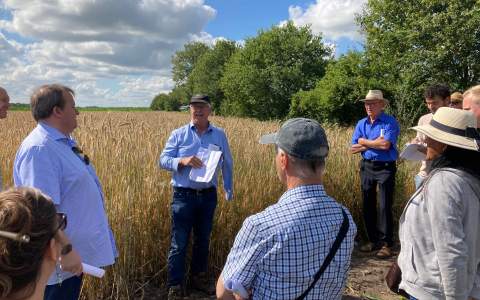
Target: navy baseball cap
{"x":301,"y":138}
{"x":200,"y":99}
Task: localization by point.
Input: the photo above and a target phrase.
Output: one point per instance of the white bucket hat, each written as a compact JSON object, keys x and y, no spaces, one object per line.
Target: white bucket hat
{"x":454,"y":127}
{"x":374,"y":95}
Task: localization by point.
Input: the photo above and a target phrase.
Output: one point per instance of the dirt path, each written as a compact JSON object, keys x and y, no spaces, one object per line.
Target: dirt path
{"x":365,"y":281}
{"x":366,"y":278}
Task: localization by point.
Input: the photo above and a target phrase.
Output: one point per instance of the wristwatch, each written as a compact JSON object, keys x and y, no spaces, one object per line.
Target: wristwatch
{"x":66,"y":249}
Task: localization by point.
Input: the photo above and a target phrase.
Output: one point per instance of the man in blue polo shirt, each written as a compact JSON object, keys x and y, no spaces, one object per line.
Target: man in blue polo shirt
{"x":375,"y":137}
{"x":194,"y":203}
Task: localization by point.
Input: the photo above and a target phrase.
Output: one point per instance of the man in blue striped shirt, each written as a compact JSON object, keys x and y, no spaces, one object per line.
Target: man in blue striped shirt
{"x":278,"y":251}
{"x":194,"y":203}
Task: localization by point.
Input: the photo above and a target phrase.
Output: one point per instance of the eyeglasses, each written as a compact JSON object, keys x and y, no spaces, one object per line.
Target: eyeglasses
{"x":372,"y":103}
{"x":25,"y":238}
{"x":82,"y":156}
{"x":62,"y":222}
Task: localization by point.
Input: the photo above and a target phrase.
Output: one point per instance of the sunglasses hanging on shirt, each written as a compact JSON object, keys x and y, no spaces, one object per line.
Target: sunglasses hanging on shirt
{"x":80,"y":154}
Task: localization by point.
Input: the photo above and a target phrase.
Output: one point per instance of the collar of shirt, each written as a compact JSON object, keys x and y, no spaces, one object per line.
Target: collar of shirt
{"x":312,"y":190}
{"x":56,"y":135}
{"x":192,"y":127}
{"x":380,"y":118}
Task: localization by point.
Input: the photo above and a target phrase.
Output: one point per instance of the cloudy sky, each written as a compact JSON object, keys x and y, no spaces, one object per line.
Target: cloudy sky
{"x":118,"y":52}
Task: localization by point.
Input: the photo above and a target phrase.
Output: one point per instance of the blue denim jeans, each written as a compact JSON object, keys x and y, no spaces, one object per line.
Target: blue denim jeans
{"x":190,"y":210}
{"x":412,"y":298}
{"x":68,"y":290}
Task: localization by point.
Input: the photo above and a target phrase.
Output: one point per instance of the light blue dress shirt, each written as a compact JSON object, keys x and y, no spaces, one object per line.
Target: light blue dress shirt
{"x":184,"y":142}
{"x":45,"y":160}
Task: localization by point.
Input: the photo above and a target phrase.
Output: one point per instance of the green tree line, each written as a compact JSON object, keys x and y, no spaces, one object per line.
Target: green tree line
{"x":288,"y":71}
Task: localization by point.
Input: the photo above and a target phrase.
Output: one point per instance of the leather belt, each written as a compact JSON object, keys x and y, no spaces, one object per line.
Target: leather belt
{"x":194,"y":191}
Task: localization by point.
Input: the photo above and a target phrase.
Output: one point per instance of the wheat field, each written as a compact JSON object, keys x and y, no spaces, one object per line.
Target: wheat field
{"x":124,"y":148}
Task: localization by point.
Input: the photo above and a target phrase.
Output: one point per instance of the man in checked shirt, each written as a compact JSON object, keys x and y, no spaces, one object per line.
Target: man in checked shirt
{"x":278,"y":251}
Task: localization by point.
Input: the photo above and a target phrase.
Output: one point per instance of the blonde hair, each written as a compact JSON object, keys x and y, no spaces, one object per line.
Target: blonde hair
{"x":475,"y":92}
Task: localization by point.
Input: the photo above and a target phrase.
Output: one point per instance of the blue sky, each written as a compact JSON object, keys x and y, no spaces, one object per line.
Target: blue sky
{"x":118,"y":52}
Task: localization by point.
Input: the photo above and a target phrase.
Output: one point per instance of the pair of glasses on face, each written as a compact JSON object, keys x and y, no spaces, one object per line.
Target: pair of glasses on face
{"x":83,"y":156}
{"x":61,"y":223}
{"x":25,"y":238}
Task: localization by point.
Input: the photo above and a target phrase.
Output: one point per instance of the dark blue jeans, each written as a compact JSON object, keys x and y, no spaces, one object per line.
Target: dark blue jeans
{"x":68,"y":290}
{"x":190,"y":210}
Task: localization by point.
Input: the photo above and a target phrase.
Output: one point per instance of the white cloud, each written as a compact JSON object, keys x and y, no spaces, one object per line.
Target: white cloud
{"x":106,"y":48}
{"x":334,"y":18}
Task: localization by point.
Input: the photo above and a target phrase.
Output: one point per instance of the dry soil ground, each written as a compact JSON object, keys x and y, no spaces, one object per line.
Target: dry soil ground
{"x":365,"y":281}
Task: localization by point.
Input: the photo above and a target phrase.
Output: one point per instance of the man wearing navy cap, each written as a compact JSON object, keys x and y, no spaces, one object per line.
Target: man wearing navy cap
{"x":193,"y":205}
{"x":300,"y":246}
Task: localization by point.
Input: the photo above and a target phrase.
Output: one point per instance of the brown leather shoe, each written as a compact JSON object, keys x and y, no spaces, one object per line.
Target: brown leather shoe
{"x":367,"y":247}
{"x":384,"y":252}
{"x":201,"y":282}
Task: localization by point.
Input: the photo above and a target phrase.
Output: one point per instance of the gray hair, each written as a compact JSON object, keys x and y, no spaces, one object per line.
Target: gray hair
{"x":305,"y":168}
{"x":45,"y":98}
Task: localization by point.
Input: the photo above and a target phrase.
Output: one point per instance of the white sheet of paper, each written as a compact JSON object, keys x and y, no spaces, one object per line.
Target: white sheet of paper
{"x":210,"y":158}
{"x":411,"y":152}
{"x":94,"y":271}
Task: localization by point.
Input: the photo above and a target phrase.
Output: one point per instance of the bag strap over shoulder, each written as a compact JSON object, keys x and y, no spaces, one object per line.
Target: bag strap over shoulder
{"x":335,"y":246}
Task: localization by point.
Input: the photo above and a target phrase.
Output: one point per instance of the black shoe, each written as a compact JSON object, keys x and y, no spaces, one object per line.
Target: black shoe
{"x":201,"y":282}
{"x":175,"y":292}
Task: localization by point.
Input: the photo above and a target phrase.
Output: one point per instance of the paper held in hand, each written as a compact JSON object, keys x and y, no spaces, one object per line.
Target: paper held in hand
{"x":412,"y":152}
{"x":93,"y":271}
{"x":210,"y":158}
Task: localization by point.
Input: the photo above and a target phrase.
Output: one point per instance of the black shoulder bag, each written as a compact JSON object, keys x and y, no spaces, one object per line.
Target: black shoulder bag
{"x":336,"y":244}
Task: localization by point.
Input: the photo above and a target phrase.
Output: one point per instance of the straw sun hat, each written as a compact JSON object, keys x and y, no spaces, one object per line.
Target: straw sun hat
{"x":374,"y":95}
{"x":453,"y":127}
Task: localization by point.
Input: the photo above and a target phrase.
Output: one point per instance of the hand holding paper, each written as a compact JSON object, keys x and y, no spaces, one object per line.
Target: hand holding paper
{"x":210,"y":158}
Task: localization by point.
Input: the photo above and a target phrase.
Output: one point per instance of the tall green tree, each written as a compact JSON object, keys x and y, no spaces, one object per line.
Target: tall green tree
{"x":414,"y":43}
{"x":335,"y":96}
{"x":183,"y":63}
{"x":167,"y":102}
{"x":205,"y":76}
{"x":261,"y":78}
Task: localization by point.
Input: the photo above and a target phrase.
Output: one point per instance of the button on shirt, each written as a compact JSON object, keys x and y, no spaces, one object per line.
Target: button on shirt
{"x":277,"y":252}
{"x":184,"y":142}
{"x":46,"y":161}
{"x":371,"y":131}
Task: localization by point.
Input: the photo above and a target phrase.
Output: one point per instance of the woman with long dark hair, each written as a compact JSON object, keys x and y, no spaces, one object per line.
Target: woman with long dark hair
{"x":439,"y":228}
{"x":32,"y":243}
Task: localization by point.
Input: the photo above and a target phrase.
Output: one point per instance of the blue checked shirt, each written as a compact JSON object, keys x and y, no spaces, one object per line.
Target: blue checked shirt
{"x":278,"y":251}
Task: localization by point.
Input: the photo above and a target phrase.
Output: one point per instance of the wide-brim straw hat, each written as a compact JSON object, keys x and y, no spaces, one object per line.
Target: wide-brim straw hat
{"x":454,"y":127}
{"x":374,"y":95}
